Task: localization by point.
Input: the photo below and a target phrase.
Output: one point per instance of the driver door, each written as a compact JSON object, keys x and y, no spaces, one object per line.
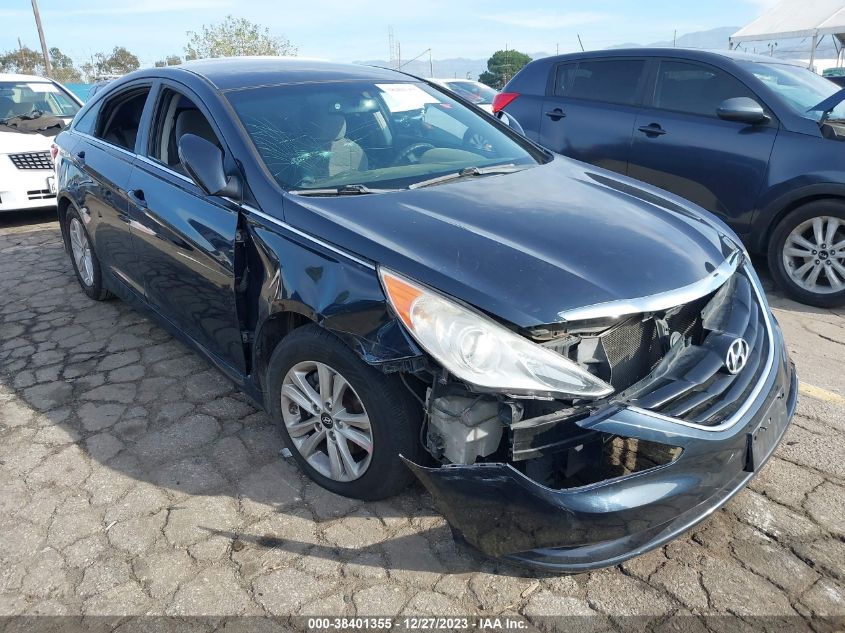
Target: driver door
{"x":185,"y":240}
{"x":681,"y":145}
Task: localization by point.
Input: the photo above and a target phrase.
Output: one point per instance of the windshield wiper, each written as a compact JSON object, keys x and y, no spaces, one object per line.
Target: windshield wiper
{"x":342,"y":190}
{"x":468,"y":172}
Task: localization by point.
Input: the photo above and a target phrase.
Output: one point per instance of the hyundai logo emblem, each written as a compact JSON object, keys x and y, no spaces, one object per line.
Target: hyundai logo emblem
{"x":737,"y":356}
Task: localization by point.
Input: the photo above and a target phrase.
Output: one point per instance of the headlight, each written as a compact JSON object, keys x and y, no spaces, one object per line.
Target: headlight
{"x":481,"y":352}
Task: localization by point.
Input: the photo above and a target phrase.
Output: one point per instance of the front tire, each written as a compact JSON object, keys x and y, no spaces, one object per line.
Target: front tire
{"x":86,"y":265}
{"x":345,"y":422}
{"x":807,"y":254}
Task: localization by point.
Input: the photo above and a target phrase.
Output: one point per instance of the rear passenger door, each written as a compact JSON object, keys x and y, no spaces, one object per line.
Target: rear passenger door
{"x":106,"y":155}
{"x":681,"y":145}
{"x":590,"y":109}
{"x":185,"y":239}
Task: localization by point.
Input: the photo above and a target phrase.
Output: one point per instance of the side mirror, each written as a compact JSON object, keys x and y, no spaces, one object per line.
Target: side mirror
{"x":203,"y":161}
{"x":742,"y":110}
{"x":510,"y":121}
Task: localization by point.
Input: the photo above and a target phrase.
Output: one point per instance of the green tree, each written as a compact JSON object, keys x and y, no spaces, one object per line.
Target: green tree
{"x":235,"y":37}
{"x":501,"y":67}
{"x":119,"y":62}
{"x":170,"y":60}
{"x":63,"y":69}
{"x":24,"y":61}
{"x":30,"y":62}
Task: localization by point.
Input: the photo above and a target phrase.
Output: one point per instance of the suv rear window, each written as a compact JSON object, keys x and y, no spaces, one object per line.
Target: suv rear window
{"x":611,"y":81}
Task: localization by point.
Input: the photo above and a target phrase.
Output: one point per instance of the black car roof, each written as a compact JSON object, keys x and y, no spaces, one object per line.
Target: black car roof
{"x":687,"y":53}
{"x":234,"y":73}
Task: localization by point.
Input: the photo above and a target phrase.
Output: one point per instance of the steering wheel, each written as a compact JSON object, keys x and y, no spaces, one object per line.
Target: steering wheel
{"x":411,"y":154}
{"x":35,"y":113}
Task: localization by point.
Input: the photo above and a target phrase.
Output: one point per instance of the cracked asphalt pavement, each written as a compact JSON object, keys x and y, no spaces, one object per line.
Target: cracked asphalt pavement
{"x":134,"y":479}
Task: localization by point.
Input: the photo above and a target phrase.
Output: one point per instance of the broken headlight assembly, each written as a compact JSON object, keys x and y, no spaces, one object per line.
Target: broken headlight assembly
{"x":482,"y":353}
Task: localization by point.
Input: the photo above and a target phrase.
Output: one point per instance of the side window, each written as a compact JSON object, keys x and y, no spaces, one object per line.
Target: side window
{"x":87,"y":123}
{"x":176,"y":115}
{"x":121,"y":118}
{"x":611,"y":81}
{"x":695,"y":89}
{"x":563,"y":77}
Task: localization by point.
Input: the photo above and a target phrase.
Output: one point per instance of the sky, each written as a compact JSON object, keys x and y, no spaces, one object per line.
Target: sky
{"x":349,"y":30}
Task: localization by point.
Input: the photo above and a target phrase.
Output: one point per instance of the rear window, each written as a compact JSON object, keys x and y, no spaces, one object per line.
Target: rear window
{"x":120,"y":118}
{"x":473,"y":91}
{"x":610,"y":81}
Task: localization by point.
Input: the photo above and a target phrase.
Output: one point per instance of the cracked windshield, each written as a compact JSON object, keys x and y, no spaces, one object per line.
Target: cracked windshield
{"x":376,"y":135}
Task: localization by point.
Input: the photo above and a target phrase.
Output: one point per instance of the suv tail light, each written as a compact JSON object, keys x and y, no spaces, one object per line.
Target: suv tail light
{"x":503,"y":99}
{"x":54,"y":151}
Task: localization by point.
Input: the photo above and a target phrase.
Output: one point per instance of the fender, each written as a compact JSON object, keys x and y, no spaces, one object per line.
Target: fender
{"x":773,"y":211}
{"x":342,"y":295}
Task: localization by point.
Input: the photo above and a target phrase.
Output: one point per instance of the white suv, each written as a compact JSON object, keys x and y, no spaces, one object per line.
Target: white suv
{"x":32,"y":111}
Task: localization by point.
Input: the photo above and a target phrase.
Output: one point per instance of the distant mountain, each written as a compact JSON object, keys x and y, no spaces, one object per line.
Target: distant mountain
{"x":713,"y":38}
{"x":718,"y":39}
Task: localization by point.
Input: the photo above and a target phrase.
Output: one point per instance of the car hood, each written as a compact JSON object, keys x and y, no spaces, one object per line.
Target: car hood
{"x":13,"y":142}
{"x":526,"y":246}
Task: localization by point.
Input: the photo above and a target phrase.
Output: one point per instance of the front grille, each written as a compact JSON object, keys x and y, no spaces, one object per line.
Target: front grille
{"x":634,"y":347}
{"x":32,"y":160}
{"x":673,"y":362}
{"x":692,"y":383}
{"x":40,"y":194}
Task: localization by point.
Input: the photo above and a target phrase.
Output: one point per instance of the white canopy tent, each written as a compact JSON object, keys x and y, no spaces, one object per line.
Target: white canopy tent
{"x":795,"y":19}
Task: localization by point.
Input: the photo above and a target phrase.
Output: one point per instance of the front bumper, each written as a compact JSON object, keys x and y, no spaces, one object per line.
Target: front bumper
{"x":505,"y":514}
{"x":25,"y":188}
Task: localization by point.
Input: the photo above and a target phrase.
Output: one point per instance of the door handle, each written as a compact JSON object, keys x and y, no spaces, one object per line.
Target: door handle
{"x":556,"y":115}
{"x":652,"y":129}
{"x":137,"y":196}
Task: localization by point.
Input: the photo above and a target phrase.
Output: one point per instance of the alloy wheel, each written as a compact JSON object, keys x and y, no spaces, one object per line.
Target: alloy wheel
{"x":326,"y":421}
{"x":814,"y":255}
{"x":81,"y":250}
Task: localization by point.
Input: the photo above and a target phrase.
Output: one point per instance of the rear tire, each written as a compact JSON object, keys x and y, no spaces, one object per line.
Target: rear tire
{"x":86,"y":265}
{"x":308,"y":355}
{"x":807,"y":254}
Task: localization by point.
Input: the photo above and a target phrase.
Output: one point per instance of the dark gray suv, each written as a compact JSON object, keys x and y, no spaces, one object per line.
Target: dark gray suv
{"x":752,"y":139}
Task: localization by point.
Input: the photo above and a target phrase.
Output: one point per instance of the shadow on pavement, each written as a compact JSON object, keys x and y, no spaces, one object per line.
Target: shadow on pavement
{"x":116,"y":424}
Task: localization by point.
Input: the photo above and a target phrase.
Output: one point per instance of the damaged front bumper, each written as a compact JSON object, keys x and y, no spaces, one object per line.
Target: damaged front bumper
{"x":504,"y":513}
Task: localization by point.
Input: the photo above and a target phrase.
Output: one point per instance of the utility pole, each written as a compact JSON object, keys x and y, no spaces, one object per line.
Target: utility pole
{"x":813,"y":51}
{"x":48,"y":69}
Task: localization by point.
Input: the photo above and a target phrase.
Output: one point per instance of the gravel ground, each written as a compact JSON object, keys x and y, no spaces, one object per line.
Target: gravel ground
{"x":134,"y":479}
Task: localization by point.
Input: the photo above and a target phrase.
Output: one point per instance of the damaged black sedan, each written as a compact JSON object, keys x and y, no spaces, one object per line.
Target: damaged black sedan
{"x":577,"y":366}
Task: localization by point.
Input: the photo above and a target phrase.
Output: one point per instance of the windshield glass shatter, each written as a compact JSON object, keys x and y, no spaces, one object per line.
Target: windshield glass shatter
{"x":381,"y":136}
